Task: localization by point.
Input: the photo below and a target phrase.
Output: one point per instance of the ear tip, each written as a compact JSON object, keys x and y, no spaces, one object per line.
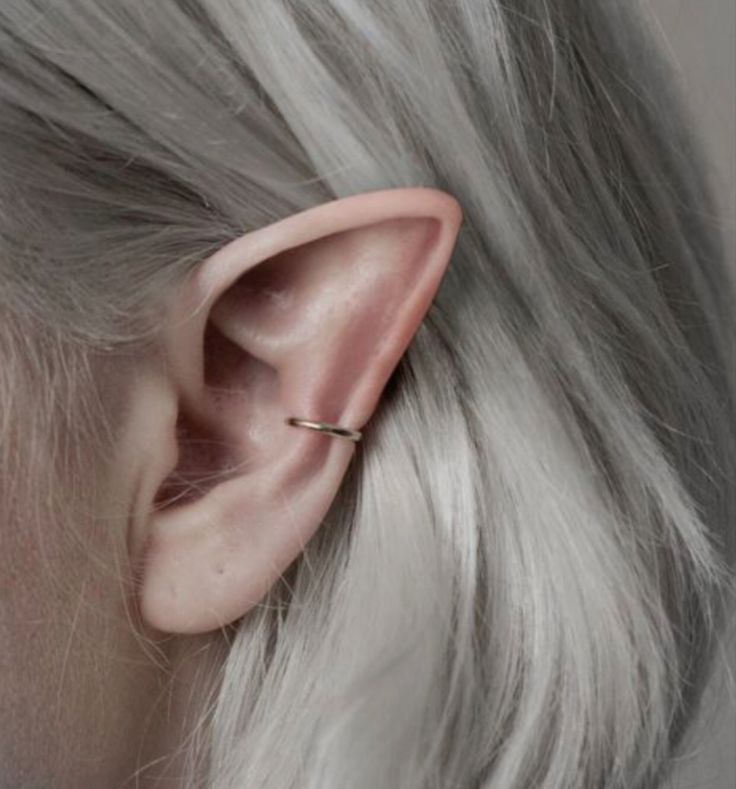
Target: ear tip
{"x":450,"y":208}
{"x":424,"y":200}
{"x":457,"y":207}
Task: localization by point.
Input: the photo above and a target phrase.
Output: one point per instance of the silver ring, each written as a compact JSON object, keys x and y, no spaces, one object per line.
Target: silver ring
{"x":325,"y":427}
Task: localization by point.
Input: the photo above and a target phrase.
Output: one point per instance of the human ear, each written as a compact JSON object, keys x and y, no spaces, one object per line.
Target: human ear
{"x":307,"y":317}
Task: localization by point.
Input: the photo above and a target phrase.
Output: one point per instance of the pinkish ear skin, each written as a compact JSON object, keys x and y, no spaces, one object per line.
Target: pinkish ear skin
{"x":306,"y":317}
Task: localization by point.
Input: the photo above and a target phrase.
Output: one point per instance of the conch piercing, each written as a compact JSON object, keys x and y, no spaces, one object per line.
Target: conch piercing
{"x":325,"y":427}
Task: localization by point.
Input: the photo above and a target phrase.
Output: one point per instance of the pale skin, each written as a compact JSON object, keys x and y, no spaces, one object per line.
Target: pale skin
{"x":306,"y":317}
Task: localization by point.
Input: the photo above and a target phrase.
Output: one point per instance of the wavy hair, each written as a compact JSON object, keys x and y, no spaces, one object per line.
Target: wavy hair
{"x":521,"y":581}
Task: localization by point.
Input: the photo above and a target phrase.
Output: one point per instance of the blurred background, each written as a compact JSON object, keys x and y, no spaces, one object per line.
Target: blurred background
{"x":701,"y":38}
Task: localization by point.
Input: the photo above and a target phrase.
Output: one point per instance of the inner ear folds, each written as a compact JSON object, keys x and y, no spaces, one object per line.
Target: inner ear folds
{"x":316,"y":313}
{"x":229,"y":428}
{"x":238,"y":400}
{"x":210,"y":449}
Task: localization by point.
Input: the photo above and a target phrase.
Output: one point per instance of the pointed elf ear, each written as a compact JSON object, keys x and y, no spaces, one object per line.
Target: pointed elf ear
{"x":307,"y":317}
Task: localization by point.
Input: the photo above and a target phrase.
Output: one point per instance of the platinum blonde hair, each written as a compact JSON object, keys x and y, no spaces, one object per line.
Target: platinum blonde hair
{"x":520,"y":583}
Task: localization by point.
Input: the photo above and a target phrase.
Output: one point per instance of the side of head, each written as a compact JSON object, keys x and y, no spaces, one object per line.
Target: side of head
{"x":453,"y":226}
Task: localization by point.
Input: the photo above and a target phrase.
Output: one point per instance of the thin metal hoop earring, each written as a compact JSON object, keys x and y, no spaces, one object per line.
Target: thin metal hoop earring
{"x":336,"y":431}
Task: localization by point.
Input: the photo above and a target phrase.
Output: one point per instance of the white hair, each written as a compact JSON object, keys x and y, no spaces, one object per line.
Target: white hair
{"x":520,"y":582}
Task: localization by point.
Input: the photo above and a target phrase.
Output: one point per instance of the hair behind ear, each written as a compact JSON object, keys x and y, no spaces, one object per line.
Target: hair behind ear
{"x":519,"y":584}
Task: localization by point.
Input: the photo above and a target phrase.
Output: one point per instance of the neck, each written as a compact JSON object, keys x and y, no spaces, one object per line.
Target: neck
{"x":174,"y":725}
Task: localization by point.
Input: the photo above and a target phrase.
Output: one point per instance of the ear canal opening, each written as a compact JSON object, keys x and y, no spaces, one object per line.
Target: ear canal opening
{"x":201,"y":466}
{"x":205,"y":456}
{"x":213,"y":442}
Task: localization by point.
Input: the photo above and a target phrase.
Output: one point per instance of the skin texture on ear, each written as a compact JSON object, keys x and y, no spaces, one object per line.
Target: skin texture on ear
{"x":307,"y":317}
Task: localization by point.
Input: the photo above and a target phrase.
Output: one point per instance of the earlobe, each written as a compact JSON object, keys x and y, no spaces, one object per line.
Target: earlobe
{"x":305,"y":318}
